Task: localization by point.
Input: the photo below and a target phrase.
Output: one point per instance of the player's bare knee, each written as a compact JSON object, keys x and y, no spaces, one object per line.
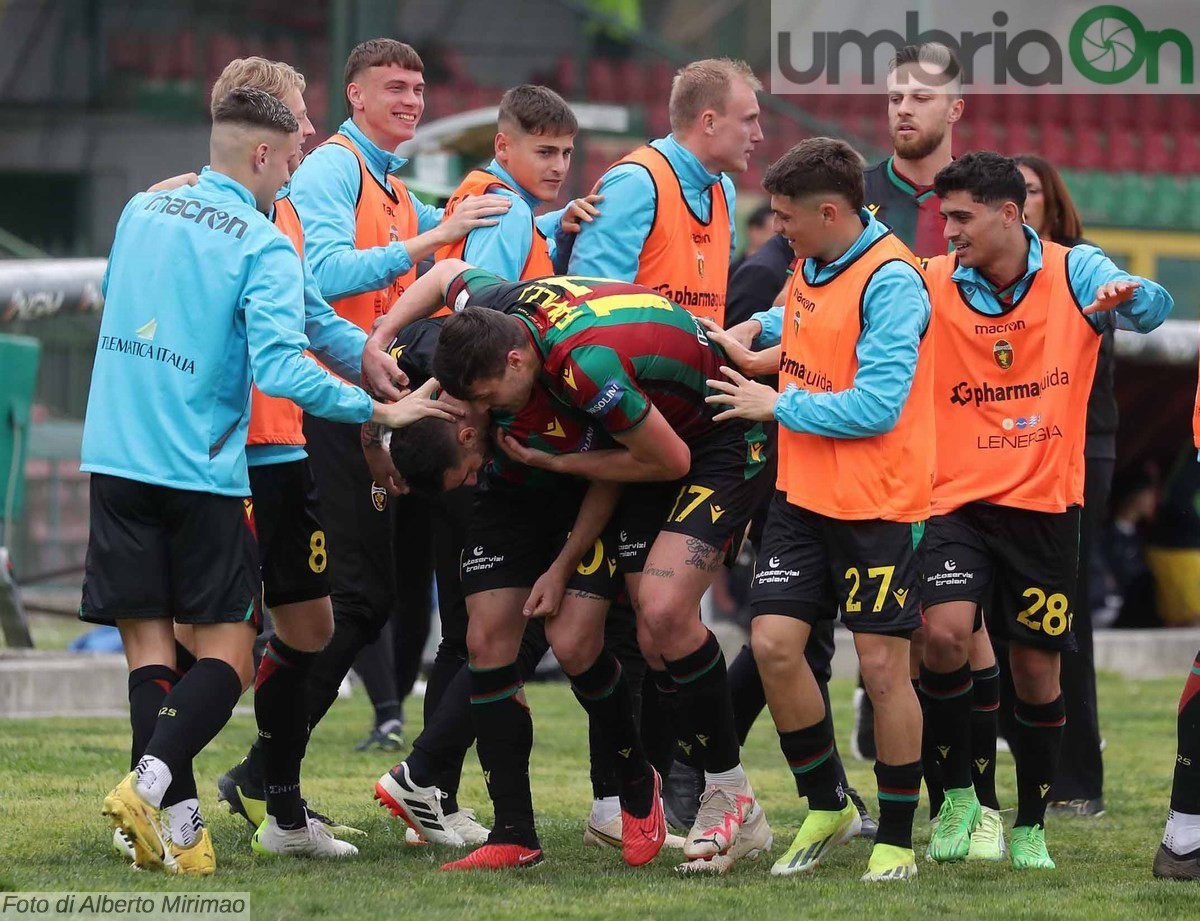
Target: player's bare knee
{"x":1035,"y":673}
{"x":662,"y":615}
{"x":772,"y":649}
{"x":945,"y":645}
{"x":576,"y":650}
{"x":306,"y":627}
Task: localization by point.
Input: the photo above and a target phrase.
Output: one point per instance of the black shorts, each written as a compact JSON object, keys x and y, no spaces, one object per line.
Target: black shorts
{"x":713,"y":503}
{"x":1017,"y":563}
{"x":291,"y":541}
{"x":810,"y":565}
{"x":515,"y":534}
{"x":358,"y":519}
{"x":158,"y":552}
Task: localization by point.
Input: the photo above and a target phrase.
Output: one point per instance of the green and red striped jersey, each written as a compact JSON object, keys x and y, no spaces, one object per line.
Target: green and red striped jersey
{"x":611,"y":349}
{"x":912,"y":212}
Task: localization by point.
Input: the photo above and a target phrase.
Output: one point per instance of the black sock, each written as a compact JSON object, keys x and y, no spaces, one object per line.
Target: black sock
{"x":1036,"y":746}
{"x":282,"y":727}
{"x":899,"y":792}
{"x":148,"y":688}
{"x":746,"y":692}
{"x":930,"y":767}
{"x":183,"y":787}
{"x":602,"y":765}
{"x":193,"y":713}
{"x":704,"y":695}
{"x":1185,"y":791}
{"x":985,"y":706}
{"x":811,"y":755}
{"x":504,"y":738}
{"x":388,"y":710}
{"x":664,"y":724}
{"x":948,"y":723}
{"x":183,"y":658}
{"x":604,"y":694}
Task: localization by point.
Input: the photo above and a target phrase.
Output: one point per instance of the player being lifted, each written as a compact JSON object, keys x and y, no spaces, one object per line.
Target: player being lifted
{"x":1016,"y":352}
{"x":637,"y":364}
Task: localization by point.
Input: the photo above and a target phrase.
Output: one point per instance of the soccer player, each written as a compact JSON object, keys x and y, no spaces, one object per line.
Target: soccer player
{"x":364,"y":233}
{"x":668,"y":224}
{"x":668,"y":211}
{"x":513,"y":550}
{"x":924,"y":91}
{"x":1016,"y":352}
{"x":172,"y":524}
{"x":855,"y":469}
{"x":1178,"y":857}
{"x":925,"y":102}
{"x":617,"y":352}
{"x":1079,"y":785}
{"x":534,"y":142}
{"x":290,"y":536}
{"x":535,"y":138}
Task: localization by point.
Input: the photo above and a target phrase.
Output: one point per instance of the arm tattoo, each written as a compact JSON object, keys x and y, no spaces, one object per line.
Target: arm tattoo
{"x":704,"y":556}
{"x":372,"y":434}
{"x":661,"y":573}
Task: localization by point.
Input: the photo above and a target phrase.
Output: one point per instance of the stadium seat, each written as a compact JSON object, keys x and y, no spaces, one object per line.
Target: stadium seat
{"x":1187,"y":153}
{"x":1122,"y":154}
{"x":601,"y":81}
{"x":1151,"y":114}
{"x":1055,"y":144}
{"x":1139,"y":207}
{"x":1090,"y":152}
{"x":1183,"y":112}
{"x":1158,"y":154}
{"x":1049,"y":110}
{"x":564,"y":76}
{"x":1170,"y":201}
{"x":1020,"y":139}
{"x":1083,"y":110}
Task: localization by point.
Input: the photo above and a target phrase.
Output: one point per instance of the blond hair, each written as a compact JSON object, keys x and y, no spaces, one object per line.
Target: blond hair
{"x":274,"y":77}
{"x":705,"y":85}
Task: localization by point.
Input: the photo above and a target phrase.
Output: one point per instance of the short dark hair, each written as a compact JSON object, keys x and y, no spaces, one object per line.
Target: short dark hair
{"x":991,"y":178}
{"x":474,"y":345}
{"x":818,"y":166}
{"x":424,"y":451}
{"x":1061,"y":216}
{"x":380,"y":52}
{"x":760,"y":216}
{"x":536,"y":110}
{"x":253,"y":108}
{"x":938,"y":57}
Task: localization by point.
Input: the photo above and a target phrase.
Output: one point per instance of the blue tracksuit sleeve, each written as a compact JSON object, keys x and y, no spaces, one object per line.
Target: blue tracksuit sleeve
{"x":611,"y":245}
{"x":503,"y":249}
{"x":337,"y":342}
{"x":273,"y":307}
{"x":558,"y":241}
{"x":551,"y":223}
{"x":428,"y":217}
{"x":731,"y":201}
{"x":1088,"y":269}
{"x":324,"y":191}
{"x":772,"y":327}
{"x":896,"y":313}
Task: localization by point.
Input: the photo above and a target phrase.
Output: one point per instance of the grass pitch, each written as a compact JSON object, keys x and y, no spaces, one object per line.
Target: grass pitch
{"x":54,"y":774}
